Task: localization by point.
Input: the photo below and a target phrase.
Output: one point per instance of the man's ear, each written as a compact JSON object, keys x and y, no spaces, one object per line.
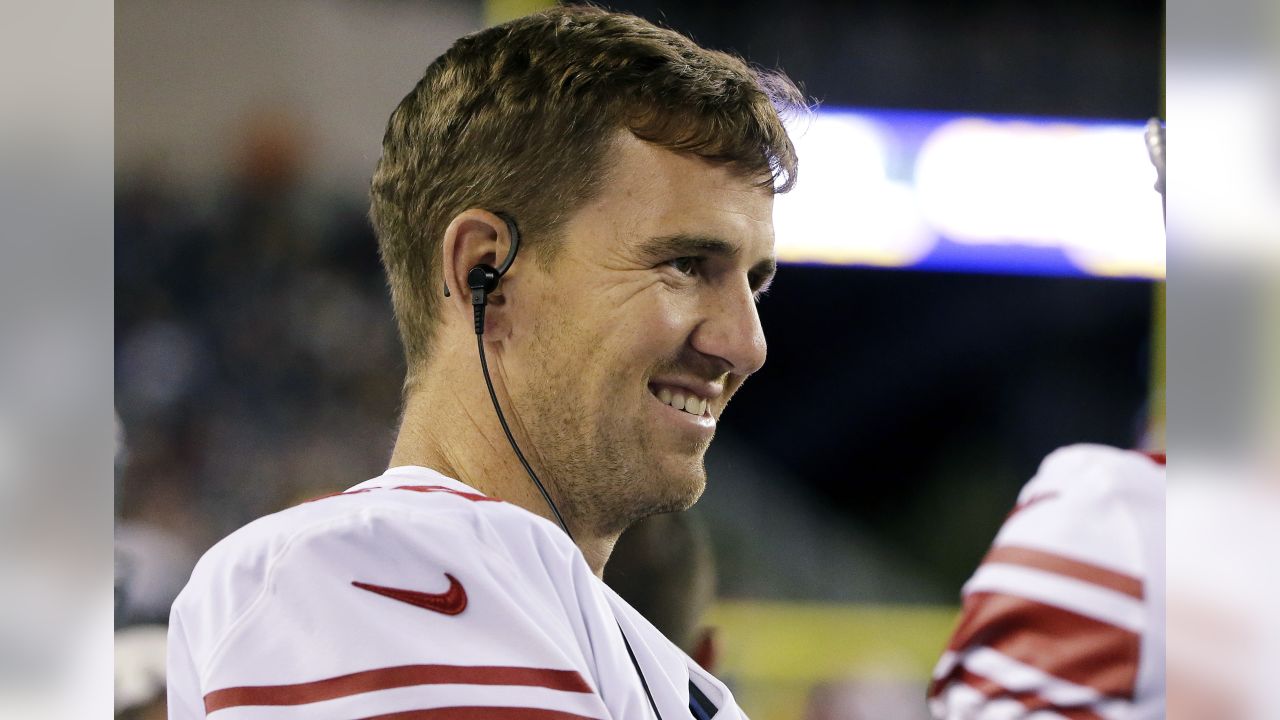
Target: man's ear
{"x":474,"y":236}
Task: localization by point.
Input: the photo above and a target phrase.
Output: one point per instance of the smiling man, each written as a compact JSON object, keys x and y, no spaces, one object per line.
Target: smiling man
{"x":616,"y":358}
{"x":635,"y":172}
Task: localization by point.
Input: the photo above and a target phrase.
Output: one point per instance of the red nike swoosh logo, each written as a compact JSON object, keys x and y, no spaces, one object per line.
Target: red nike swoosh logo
{"x":449,"y":602}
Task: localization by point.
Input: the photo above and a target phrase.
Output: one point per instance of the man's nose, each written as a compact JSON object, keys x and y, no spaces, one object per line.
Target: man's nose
{"x":731,"y":330}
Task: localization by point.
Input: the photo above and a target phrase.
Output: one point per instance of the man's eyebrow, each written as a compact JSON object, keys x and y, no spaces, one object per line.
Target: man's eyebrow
{"x":670,"y":246}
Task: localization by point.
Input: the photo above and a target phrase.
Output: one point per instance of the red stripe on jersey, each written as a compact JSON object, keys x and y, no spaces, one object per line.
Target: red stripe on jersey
{"x":1061,"y":643}
{"x":476,"y":497}
{"x":1029,"y":502}
{"x":480,"y":713}
{"x":393,"y":677}
{"x":1070,"y":567}
{"x":1156,"y":457}
{"x":1029,"y":700}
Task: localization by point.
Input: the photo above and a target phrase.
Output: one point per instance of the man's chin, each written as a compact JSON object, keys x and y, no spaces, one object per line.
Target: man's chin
{"x":683,"y":487}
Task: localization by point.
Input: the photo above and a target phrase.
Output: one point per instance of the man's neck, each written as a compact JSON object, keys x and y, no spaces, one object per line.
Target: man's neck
{"x":440,"y":432}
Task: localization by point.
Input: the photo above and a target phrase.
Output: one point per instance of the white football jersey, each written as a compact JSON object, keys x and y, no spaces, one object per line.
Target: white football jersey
{"x":1064,"y":618}
{"x":412,"y":595}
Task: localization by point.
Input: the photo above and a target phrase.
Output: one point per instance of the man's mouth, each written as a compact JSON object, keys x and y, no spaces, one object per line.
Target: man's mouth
{"x":681,"y":399}
{"x":691,"y":404}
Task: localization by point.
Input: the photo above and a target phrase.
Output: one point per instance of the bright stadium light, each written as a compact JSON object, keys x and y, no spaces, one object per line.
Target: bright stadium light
{"x":949,"y":192}
{"x":844,"y":209}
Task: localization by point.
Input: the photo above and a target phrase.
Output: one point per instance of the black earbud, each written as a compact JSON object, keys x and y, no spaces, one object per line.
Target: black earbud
{"x":483,"y":278}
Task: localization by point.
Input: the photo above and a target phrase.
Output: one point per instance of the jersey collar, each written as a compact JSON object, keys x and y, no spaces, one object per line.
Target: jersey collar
{"x":414,"y":475}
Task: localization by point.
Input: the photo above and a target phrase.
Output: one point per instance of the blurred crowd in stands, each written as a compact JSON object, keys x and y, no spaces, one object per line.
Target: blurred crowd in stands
{"x":256,"y":365}
{"x":256,"y":356}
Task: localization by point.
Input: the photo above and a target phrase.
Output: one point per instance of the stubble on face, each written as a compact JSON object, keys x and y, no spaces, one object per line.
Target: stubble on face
{"x":601,"y":460}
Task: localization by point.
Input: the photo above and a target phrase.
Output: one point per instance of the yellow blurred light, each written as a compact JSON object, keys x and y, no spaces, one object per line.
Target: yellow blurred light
{"x":776,"y":653}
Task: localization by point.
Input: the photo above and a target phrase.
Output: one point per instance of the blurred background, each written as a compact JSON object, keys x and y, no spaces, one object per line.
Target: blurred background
{"x":973,"y":264}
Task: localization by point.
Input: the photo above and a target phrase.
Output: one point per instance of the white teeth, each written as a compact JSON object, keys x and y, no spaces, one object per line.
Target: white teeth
{"x":691,"y":404}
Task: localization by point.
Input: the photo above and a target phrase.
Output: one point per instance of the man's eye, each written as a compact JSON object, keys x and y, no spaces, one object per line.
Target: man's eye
{"x":685,"y":265}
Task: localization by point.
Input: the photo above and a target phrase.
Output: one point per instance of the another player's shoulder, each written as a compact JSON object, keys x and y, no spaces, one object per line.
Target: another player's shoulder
{"x":1110,"y":486}
{"x":1095,"y":473}
{"x":1092,"y":503}
{"x":1065,"y":611}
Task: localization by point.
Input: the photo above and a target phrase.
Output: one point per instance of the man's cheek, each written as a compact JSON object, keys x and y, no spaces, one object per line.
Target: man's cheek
{"x":675,"y":320}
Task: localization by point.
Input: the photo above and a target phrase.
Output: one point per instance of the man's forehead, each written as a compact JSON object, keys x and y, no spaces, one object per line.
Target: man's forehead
{"x":653,"y":199}
{"x":682,"y":194}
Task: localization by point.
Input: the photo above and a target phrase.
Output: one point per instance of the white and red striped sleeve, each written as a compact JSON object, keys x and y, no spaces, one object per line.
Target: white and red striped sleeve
{"x":364,"y":607}
{"x":1064,"y":618}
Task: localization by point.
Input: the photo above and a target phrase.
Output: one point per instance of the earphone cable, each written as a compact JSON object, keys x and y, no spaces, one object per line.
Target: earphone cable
{"x":484,"y":367}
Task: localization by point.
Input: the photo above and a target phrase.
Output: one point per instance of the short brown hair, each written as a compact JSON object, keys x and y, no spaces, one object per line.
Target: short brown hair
{"x":517,"y":118}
